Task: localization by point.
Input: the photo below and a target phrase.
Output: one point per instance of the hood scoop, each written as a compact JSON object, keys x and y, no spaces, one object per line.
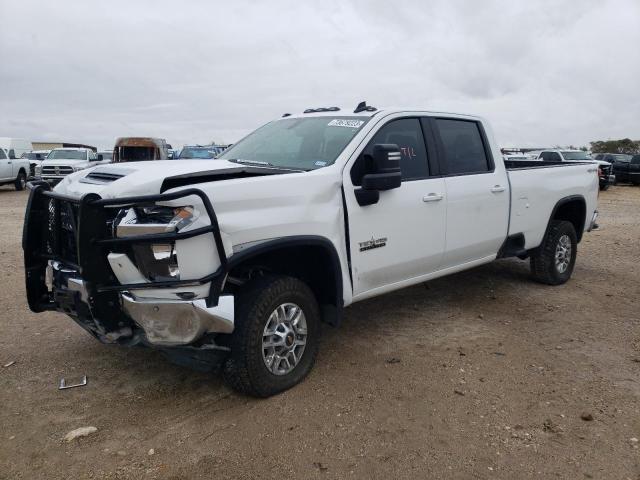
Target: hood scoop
{"x":104,"y":176}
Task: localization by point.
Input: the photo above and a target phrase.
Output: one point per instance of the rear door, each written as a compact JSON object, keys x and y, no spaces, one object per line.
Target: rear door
{"x":634,"y":169}
{"x":477,"y":191}
{"x":401,"y":237}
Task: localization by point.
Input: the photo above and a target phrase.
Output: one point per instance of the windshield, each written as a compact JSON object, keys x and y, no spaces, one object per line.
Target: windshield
{"x":137,"y":154}
{"x":298,"y":143}
{"x":203,"y":153}
{"x":576,"y":156}
{"x":67,"y":155}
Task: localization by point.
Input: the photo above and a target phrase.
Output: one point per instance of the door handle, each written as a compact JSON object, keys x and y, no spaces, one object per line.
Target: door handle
{"x":8,"y":163}
{"x":498,"y":189}
{"x":433,"y":197}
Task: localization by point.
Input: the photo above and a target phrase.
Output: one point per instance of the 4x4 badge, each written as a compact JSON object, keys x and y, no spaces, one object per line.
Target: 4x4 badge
{"x":373,"y":243}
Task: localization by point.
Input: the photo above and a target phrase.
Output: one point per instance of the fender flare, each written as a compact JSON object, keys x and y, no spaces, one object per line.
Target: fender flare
{"x":332,"y":314}
{"x":564,"y":201}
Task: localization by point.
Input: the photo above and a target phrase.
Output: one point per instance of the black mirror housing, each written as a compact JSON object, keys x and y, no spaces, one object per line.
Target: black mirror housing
{"x":383,"y":172}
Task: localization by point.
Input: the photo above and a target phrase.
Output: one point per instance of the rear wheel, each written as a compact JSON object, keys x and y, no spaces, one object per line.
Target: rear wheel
{"x":553,"y":261}
{"x":21,"y":181}
{"x":276,"y":336}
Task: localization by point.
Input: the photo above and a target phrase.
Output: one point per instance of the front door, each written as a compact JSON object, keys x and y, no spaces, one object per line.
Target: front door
{"x":5,"y":166}
{"x":400,"y":237}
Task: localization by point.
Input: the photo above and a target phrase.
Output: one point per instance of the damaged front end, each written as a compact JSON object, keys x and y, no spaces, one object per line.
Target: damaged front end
{"x":124,"y":269}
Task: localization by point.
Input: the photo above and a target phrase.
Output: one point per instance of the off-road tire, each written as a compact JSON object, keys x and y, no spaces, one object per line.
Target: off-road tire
{"x":543,"y":258}
{"x":21,"y":181}
{"x":245,"y":369}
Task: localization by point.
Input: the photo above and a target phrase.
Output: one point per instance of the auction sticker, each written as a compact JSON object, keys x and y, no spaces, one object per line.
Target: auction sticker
{"x":339,"y":122}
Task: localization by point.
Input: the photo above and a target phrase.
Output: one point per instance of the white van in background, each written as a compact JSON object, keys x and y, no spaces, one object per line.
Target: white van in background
{"x":19,"y":146}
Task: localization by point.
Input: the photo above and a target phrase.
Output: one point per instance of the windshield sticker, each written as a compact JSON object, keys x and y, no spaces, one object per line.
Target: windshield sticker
{"x":320,"y":163}
{"x":345,"y":123}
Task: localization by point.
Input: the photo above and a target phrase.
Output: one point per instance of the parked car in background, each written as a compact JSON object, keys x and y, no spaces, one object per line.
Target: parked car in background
{"x":625,"y":167}
{"x":62,"y":161}
{"x":15,"y":147}
{"x":238,"y":261}
{"x":13,"y":170}
{"x":200,"y":152}
{"x":605,"y":169}
{"x":140,"y":149}
{"x":105,"y":156}
{"x":35,"y":158}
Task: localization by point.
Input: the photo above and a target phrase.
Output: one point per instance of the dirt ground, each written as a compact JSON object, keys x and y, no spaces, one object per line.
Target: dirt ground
{"x":483,"y":374}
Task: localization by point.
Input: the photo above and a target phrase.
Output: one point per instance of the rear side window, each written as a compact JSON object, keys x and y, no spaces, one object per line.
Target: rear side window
{"x":463,"y":147}
{"x":550,"y":157}
{"x":407,"y":134}
{"x":2,"y":155}
{"x":635,"y":160}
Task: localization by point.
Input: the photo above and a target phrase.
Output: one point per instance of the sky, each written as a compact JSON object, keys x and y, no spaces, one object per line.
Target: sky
{"x":543,"y":72}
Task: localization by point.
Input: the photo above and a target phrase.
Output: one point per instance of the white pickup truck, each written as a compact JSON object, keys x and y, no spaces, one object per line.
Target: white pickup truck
{"x":63,"y":161}
{"x":236,"y":261}
{"x":605,"y":169}
{"x":13,"y":170}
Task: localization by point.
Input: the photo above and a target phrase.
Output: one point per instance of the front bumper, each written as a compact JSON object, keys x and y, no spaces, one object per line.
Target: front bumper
{"x":52,"y":180}
{"x":607,"y":179}
{"x":66,"y":242}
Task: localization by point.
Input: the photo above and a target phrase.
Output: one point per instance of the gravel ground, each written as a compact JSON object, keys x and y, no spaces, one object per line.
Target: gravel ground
{"x":483,"y":374}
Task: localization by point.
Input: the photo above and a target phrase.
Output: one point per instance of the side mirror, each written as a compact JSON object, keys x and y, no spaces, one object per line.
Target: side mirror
{"x":100,"y":157}
{"x":382,"y":173}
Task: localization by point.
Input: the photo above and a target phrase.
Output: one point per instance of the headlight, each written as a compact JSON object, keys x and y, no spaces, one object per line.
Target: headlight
{"x":38,"y":170}
{"x":155,"y":261}
{"x":156,"y":219}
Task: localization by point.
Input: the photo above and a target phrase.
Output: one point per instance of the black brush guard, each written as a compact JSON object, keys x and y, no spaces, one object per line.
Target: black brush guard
{"x":77,"y":234}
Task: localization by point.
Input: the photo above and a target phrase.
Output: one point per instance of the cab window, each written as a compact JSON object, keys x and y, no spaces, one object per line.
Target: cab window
{"x":407,"y":134}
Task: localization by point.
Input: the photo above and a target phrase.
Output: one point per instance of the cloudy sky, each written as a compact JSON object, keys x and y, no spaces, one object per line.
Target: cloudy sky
{"x":545,"y":72}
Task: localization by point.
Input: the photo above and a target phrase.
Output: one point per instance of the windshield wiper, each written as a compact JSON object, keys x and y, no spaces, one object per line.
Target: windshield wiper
{"x":264,"y":164}
{"x":251,"y":162}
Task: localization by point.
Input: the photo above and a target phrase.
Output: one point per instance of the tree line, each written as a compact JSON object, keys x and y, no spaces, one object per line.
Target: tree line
{"x":625,"y":145}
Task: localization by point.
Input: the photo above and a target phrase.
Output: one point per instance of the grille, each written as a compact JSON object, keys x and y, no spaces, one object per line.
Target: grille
{"x":32,"y":170}
{"x":60,"y":231}
{"x":56,"y":170}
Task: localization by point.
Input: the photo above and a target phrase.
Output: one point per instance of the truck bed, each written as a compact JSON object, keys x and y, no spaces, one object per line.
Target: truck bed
{"x":536,"y":188}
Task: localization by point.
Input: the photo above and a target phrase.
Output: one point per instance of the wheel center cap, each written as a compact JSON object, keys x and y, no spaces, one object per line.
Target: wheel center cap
{"x":289,"y":339}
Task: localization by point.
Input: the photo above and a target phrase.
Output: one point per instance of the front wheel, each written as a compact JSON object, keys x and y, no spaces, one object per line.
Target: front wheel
{"x":21,"y":181}
{"x":604,"y":186}
{"x":553,"y":261}
{"x":276,"y":336}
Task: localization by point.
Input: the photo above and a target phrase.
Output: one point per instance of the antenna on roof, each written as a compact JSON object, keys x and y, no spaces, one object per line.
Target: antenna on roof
{"x":286,"y":115}
{"x":363,"y":107}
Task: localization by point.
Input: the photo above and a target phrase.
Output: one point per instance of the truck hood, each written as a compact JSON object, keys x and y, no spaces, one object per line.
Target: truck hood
{"x":151,"y":177}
